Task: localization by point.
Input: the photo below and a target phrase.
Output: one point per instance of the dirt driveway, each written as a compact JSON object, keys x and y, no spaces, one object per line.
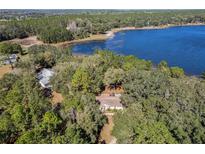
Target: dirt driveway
{"x":106,"y":131}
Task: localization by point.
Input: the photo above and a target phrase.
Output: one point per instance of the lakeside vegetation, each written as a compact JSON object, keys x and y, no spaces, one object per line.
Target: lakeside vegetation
{"x":161,"y":105}
{"x":56,"y":28}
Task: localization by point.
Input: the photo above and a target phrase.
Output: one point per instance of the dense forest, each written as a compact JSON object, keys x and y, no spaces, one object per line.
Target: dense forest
{"x":161,"y":104}
{"x":58,"y":28}
{"x":27,"y":113}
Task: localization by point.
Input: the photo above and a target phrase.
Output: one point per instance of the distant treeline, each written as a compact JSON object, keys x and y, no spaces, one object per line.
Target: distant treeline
{"x":57,"y":28}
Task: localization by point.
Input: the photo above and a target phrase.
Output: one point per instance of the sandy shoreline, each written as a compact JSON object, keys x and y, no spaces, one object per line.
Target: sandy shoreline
{"x":32,"y":40}
{"x":111,"y":33}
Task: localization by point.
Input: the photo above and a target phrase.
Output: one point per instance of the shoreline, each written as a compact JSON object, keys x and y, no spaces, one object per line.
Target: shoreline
{"x":33,"y":40}
{"x":111,"y":33}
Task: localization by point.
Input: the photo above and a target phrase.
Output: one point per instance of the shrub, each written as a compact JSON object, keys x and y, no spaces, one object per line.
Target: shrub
{"x":176,"y":72}
{"x":8,"y":48}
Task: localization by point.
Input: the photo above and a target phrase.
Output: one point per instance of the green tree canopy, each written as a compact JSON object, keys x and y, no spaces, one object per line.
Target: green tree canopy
{"x":177,"y":72}
{"x":81,"y":80}
{"x":9,"y":48}
{"x":113,"y":76}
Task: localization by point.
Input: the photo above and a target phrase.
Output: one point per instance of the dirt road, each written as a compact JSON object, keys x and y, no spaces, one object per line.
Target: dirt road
{"x":106,"y":131}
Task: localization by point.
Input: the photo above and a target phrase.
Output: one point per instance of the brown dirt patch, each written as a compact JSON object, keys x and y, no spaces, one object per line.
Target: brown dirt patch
{"x":57,"y":97}
{"x":105,"y":134}
{"x":5,"y":69}
{"x":27,"y":42}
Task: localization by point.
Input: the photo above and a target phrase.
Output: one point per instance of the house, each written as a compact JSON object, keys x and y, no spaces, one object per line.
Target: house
{"x":72,"y":26}
{"x":44,"y":77}
{"x":109,"y":102}
{"x":11,"y":59}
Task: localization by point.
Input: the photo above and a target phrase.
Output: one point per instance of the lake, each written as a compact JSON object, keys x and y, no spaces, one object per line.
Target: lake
{"x":182,"y":46}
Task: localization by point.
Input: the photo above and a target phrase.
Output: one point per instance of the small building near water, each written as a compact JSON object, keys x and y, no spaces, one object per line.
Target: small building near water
{"x":44,"y":77}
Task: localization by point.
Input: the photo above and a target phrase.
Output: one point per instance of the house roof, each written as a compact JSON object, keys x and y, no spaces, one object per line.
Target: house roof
{"x":13,"y":56}
{"x":44,"y":76}
{"x":46,"y":72}
{"x":11,"y":59}
{"x":44,"y":82}
{"x":111,"y":101}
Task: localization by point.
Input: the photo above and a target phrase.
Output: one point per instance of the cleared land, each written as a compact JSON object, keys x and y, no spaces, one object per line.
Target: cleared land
{"x":57,"y":97}
{"x":5,"y":69}
{"x":27,"y":42}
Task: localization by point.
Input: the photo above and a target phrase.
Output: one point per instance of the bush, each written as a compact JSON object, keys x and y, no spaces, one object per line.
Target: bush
{"x":8,"y":48}
{"x":176,"y":72}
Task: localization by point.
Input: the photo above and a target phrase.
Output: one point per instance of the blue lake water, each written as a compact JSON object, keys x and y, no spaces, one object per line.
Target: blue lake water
{"x":180,"y":46}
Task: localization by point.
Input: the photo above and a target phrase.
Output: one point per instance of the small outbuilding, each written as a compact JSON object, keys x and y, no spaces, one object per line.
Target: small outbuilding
{"x":11,"y":59}
{"x":44,"y":77}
